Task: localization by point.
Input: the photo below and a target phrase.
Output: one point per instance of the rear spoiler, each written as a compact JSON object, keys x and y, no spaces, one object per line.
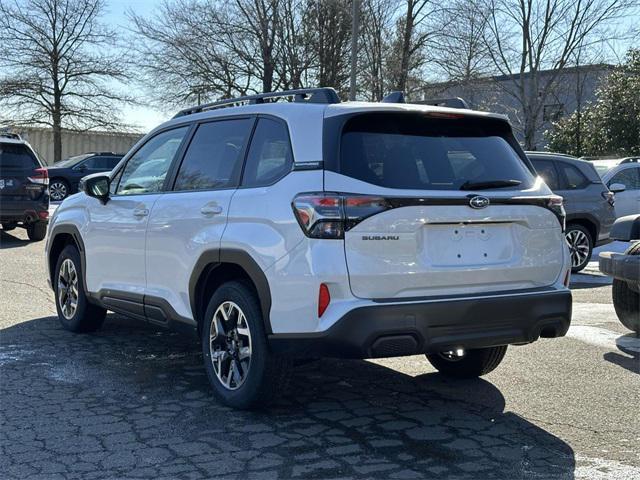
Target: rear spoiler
{"x":398,"y":97}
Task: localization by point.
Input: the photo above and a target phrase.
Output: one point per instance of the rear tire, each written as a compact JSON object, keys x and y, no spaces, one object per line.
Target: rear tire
{"x":69,"y":289}
{"x":627,"y":305}
{"x":58,"y":189}
{"x":253,"y":381}
{"x":37,"y":231}
{"x":473,"y":363}
{"x":580,"y":244}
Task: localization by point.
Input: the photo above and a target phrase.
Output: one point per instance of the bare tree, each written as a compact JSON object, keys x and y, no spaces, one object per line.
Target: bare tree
{"x":414,"y":30}
{"x":460,"y":48}
{"x":532,"y":36}
{"x":57,"y":66}
{"x":294,"y":57}
{"x":331,"y":22}
{"x":377,"y":31}
{"x":182,"y":56}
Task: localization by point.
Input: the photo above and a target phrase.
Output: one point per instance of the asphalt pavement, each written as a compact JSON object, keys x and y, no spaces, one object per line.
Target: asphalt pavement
{"x":132,"y":401}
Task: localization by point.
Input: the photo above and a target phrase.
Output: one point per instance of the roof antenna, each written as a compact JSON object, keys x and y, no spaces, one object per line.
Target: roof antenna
{"x":394,"y":97}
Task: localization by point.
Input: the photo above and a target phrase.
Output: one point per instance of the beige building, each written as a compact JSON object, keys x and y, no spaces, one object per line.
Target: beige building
{"x":76,"y":143}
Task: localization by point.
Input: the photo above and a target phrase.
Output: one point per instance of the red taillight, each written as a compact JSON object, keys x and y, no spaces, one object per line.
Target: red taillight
{"x":555,"y":203}
{"x":44,"y":214}
{"x":324,"y":298}
{"x":567,"y":278}
{"x":40,"y":176}
{"x":329,"y":215}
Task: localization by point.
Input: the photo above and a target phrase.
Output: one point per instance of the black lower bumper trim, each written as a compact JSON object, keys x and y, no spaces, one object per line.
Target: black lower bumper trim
{"x":409,"y":329}
{"x":620,"y":266}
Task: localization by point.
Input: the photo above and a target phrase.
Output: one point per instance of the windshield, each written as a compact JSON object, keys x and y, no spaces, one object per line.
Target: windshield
{"x":406,"y":151}
{"x":16,"y":156}
{"x":603,"y":168}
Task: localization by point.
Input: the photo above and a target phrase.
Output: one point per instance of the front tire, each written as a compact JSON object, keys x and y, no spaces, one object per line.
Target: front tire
{"x":37,"y":231}
{"x":472,"y":363}
{"x":243,"y":372}
{"x":627,"y":301}
{"x":580,"y":245}
{"x":75,"y":313}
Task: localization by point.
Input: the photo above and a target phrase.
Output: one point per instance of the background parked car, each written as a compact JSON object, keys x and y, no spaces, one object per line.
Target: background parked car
{"x":623,"y":172}
{"x":625,"y":270}
{"x":588,"y":202}
{"x":24,"y":199}
{"x":64,"y":176}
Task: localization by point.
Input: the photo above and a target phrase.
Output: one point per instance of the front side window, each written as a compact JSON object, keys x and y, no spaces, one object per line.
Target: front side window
{"x":214,"y":157}
{"x":547,"y":171}
{"x":270,"y":155}
{"x":406,"y":151}
{"x":147,"y":168}
{"x":629,"y":177}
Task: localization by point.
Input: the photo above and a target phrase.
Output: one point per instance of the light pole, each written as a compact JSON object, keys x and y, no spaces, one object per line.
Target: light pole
{"x":355,"y":27}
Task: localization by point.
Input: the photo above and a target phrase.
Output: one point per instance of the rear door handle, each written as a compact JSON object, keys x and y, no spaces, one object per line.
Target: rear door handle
{"x":211,"y":210}
{"x":141,"y":212}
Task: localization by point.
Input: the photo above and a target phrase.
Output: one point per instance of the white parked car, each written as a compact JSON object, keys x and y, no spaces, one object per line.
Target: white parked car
{"x":317,"y":228}
{"x":622,"y":176}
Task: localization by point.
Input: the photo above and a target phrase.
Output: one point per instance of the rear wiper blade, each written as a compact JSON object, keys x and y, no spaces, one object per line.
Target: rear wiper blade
{"x":489,"y":184}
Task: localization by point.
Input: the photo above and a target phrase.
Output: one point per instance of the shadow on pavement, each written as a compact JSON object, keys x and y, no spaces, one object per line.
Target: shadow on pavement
{"x":9,"y":241}
{"x":629,"y":345}
{"x":131,"y":401}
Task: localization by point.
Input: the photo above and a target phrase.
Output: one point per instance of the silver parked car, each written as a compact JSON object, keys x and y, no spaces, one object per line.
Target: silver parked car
{"x":623,"y":177}
{"x":587,"y":200}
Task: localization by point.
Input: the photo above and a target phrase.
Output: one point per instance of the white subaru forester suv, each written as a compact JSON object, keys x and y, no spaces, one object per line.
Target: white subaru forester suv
{"x":308,"y":228}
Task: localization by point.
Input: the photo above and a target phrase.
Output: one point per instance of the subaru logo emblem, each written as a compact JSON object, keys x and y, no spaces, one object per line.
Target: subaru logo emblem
{"x":479,"y":202}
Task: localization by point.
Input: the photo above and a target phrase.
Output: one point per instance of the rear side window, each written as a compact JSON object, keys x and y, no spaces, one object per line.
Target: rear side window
{"x":629,"y":177}
{"x":547,"y":170}
{"x":407,"y":151}
{"x":214,"y":157}
{"x":101,"y":163}
{"x":270,"y":156}
{"x":16,"y":157}
{"x":574,"y":179}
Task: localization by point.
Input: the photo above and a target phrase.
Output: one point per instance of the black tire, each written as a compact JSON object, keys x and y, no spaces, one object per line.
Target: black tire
{"x":626,"y":301}
{"x":87,"y":317}
{"x":37,"y":231}
{"x":473,"y":363}
{"x":579,"y":228}
{"x":65,"y":189}
{"x":7,"y":227}
{"x":267,"y":375}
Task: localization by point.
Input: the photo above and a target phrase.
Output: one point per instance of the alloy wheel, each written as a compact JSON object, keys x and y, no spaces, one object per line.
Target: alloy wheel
{"x":57,"y":191}
{"x":578,"y":247}
{"x":68,"y":289}
{"x":230,"y":345}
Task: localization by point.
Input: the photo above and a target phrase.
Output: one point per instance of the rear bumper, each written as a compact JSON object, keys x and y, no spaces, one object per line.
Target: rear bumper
{"x":384,"y":330}
{"x":23,"y":211}
{"x":620,"y":266}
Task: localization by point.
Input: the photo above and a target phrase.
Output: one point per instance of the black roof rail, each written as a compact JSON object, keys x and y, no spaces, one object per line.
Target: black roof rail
{"x":456,"y":102}
{"x":11,"y":135}
{"x":301,"y":95}
{"x":394,"y":97}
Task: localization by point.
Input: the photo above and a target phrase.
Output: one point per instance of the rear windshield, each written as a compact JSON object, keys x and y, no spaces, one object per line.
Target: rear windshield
{"x":16,"y":156}
{"x":407,"y":151}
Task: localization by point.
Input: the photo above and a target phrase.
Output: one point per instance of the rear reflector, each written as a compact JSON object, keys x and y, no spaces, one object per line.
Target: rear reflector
{"x":43,"y":215}
{"x":324,"y":298}
{"x":567,"y":278}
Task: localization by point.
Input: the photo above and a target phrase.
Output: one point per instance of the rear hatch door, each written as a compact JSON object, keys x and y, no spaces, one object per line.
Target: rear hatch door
{"x":17,"y":165}
{"x":463,"y":213}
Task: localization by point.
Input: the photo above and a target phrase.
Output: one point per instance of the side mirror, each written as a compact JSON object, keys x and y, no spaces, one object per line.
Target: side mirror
{"x":96,"y":186}
{"x":617,"y":187}
{"x":81,"y":168}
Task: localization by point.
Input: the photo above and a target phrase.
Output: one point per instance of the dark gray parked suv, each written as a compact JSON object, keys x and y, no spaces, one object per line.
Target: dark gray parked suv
{"x":587,"y":201}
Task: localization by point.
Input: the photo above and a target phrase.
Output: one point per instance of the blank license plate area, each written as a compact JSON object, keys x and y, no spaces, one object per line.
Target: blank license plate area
{"x":469,"y":245}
